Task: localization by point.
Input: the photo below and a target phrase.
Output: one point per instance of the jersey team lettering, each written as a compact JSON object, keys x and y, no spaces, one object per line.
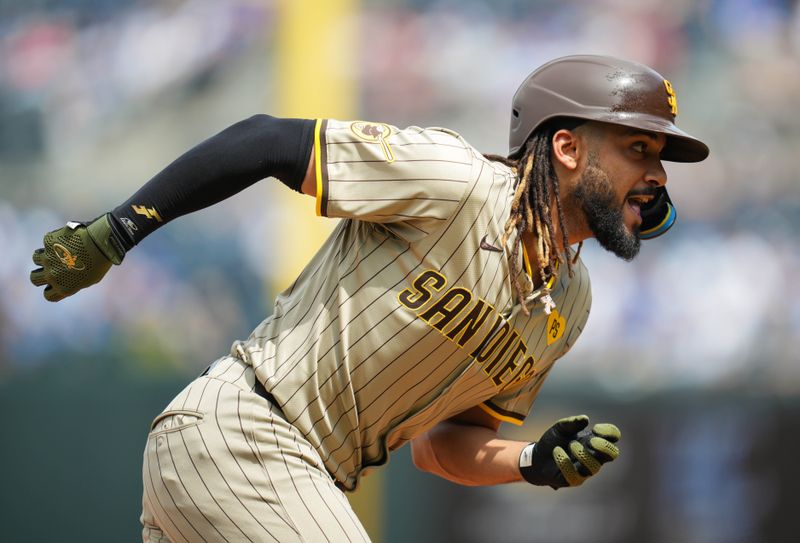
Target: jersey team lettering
{"x":500,"y":349}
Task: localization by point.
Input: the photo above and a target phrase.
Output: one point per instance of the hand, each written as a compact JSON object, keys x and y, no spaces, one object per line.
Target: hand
{"x":567,"y":454}
{"x":75,"y":257}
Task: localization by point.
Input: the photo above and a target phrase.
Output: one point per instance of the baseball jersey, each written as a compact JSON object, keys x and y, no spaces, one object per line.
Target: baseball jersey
{"x":407,"y":315}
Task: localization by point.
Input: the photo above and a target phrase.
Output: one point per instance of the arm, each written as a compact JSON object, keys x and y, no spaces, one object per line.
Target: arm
{"x":216,"y":169}
{"x":79,"y":255}
{"x":466,"y":450}
{"x":309,"y":185}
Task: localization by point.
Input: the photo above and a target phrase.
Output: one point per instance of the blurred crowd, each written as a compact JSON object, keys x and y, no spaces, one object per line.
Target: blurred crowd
{"x":71,"y":66}
{"x":714,"y":303}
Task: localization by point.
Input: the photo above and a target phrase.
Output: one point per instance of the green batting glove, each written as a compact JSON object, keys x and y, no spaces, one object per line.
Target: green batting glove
{"x":75,"y":257}
{"x":568,"y":454}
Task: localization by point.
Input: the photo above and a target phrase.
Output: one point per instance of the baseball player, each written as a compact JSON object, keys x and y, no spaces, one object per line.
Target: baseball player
{"x":432,"y":313}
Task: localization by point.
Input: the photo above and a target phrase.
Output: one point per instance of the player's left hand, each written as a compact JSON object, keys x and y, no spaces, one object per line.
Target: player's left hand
{"x":567,"y":453}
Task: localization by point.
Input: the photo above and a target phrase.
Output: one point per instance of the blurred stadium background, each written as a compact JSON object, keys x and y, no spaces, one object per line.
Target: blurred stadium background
{"x":692,"y":349}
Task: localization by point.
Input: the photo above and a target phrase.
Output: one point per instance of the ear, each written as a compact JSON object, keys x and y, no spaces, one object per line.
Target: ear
{"x":565,"y":148}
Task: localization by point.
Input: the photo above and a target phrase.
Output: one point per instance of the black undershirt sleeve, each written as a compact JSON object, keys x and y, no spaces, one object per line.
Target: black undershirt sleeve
{"x":227,"y":163}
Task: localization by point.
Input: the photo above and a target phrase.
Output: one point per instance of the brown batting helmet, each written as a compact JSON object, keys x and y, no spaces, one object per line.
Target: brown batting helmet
{"x":611,"y":90}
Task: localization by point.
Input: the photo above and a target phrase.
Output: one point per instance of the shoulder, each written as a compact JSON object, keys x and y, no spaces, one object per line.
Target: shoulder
{"x":376,"y":132}
{"x":580,"y":275}
{"x":397,"y":142}
{"x":578,"y":291}
{"x":578,"y":267}
{"x":578,"y":288}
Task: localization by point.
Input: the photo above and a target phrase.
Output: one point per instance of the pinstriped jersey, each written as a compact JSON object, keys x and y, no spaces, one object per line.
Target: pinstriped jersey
{"x":407,"y":316}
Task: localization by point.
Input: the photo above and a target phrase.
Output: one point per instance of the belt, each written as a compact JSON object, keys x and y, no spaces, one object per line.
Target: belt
{"x":258,"y":388}
{"x":261,"y":391}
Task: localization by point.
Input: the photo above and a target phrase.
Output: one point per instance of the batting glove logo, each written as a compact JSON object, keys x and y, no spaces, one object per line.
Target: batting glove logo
{"x":67,"y":258}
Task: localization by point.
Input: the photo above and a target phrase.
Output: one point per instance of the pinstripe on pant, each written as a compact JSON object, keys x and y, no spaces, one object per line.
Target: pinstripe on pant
{"x":222,"y":464}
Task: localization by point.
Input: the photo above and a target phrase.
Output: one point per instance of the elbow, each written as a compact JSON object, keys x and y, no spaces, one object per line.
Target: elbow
{"x":425,"y":459}
{"x":260,"y":123}
{"x":422,"y":454}
{"x":259,"y":119}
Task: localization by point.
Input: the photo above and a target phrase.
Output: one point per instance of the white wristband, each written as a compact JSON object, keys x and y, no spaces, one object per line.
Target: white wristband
{"x":526,"y":456}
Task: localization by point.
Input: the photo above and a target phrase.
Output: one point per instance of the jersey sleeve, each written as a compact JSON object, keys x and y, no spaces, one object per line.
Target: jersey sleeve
{"x":411,"y":180}
{"x":514,"y":405}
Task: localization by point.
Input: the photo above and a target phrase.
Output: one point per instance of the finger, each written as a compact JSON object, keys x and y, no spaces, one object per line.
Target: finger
{"x":567,"y":469}
{"x":583,"y":456}
{"x":52,"y":296}
{"x":39,"y":257}
{"x":608,"y":431}
{"x":606,"y":451}
{"x":38,"y":277}
{"x":570,"y":426}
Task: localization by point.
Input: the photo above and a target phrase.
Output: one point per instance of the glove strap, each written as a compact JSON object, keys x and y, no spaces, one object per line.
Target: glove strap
{"x":526,"y":461}
{"x":103,"y":236}
{"x":526,"y":456}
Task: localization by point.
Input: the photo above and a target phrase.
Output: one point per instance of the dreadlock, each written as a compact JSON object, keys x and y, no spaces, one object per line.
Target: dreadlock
{"x":536,"y":188}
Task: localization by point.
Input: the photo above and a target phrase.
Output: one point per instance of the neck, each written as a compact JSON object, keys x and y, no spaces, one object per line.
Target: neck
{"x":530,"y":240}
{"x":574,"y":219}
{"x":575,"y":223}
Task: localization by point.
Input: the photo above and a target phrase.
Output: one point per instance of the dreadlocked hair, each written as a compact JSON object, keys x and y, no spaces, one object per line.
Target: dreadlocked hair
{"x":536,"y":189}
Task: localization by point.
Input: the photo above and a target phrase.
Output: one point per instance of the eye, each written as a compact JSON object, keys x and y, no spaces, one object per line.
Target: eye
{"x":640,"y":147}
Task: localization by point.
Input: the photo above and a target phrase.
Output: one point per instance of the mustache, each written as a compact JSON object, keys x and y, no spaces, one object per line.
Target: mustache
{"x":649,"y":191}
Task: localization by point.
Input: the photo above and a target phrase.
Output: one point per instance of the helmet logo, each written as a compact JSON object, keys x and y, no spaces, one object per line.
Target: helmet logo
{"x":672,"y":100}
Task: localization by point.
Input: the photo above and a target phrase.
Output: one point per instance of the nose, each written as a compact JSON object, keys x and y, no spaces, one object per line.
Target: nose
{"x":656,"y":176}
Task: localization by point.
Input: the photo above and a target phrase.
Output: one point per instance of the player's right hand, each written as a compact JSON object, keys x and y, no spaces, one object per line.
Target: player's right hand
{"x":75,"y":257}
{"x":567,"y":454}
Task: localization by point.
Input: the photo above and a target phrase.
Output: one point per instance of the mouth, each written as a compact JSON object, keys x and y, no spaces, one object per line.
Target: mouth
{"x":634,"y":203}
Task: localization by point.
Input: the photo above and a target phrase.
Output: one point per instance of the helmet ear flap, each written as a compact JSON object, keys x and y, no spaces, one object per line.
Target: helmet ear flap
{"x":658,"y":216}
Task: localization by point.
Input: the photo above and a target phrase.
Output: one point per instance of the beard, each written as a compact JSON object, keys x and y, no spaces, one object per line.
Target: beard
{"x":604,"y":216}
